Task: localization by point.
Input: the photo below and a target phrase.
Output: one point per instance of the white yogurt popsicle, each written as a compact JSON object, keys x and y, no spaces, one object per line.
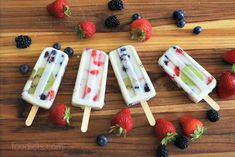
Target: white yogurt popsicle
{"x":42,"y":86}
{"x":189,"y":75}
{"x":89,"y":90}
{"x":134,"y":82}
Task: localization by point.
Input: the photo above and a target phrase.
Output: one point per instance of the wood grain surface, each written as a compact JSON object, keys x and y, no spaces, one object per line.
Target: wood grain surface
{"x":29,"y":17}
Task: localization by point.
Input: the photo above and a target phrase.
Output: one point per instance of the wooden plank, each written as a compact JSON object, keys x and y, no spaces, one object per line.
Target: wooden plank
{"x":45,"y":139}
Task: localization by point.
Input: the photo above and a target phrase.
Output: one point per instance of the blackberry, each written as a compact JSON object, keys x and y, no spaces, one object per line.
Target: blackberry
{"x":112,"y":22}
{"x":23,"y":41}
{"x":161,"y":151}
{"x":181,"y":142}
{"x":212,"y":115}
{"x":115,"y":5}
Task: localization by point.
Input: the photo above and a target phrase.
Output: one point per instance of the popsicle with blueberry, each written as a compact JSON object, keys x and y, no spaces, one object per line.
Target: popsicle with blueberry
{"x":133,"y":80}
{"x":43,"y":84}
{"x":188,"y":75}
{"x":89,"y":90}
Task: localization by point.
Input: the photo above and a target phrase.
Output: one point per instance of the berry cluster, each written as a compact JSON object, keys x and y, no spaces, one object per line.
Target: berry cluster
{"x":23,"y":41}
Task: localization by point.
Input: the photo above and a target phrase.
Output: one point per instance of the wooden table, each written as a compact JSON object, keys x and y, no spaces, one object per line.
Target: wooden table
{"x":29,"y":17}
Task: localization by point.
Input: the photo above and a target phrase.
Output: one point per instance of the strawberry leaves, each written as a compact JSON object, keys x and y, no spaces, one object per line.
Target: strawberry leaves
{"x":170,"y":137}
{"x":198,"y":132}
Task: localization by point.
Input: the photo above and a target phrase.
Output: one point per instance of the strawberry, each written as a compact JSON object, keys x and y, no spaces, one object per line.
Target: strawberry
{"x":165,"y":131}
{"x":59,"y":9}
{"x":141,"y":29}
{"x":226,"y":84}
{"x":192,"y":127}
{"x":229,"y":56}
{"x":121,"y":123}
{"x":86,"y":29}
{"x":60,"y":114}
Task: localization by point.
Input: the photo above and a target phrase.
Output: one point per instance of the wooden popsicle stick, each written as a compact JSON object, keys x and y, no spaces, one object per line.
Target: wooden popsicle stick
{"x":148,"y":113}
{"x":212,"y":103}
{"x":31,"y":115}
{"x":85,"y":119}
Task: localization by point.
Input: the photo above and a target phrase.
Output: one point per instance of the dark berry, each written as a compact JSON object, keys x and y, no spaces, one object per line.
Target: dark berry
{"x":102,"y":140}
{"x":178,"y":14}
{"x":115,"y":5}
{"x":161,"y":151}
{"x":69,"y":51}
{"x":112,"y":22}
{"x":197,"y":30}
{"x":212,"y":115}
{"x":24,"y":68}
{"x":46,"y":54}
{"x":57,"y":46}
{"x":136,"y":16}
{"x":53,"y":52}
{"x":23,"y":41}
{"x":146,"y":88}
{"x":181,"y":142}
{"x":181,"y":23}
{"x":124,"y":69}
{"x":43,"y":97}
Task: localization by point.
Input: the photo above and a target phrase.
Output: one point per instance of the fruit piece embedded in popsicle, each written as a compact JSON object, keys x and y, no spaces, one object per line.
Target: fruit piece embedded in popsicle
{"x":135,"y":84}
{"x":189,"y":75}
{"x":89,"y":90}
{"x":42,"y":86}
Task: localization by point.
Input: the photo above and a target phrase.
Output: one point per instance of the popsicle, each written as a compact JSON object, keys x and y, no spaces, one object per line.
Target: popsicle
{"x":89,"y":90}
{"x":189,"y":75}
{"x":42,"y":86}
{"x":133,"y":80}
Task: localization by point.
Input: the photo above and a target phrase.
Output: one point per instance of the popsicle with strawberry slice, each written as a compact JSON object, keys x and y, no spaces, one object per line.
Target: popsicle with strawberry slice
{"x":188,"y":75}
{"x":89,"y":90}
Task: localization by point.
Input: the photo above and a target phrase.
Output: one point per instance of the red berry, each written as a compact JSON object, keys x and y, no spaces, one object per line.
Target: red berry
{"x":60,"y":114}
{"x":59,"y":9}
{"x":141,"y":29}
{"x":229,"y":56}
{"x":86,"y":29}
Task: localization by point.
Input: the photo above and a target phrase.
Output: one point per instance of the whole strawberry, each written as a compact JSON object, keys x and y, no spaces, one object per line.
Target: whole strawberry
{"x":121,"y":123}
{"x":86,"y":29}
{"x":192,"y":127}
{"x":226,"y":84}
{"x":60,"y":114}
{"x":141,"y":29}
{"x":229,"y":56}
{"x":59,"y":9}
{"x":165,"y":131}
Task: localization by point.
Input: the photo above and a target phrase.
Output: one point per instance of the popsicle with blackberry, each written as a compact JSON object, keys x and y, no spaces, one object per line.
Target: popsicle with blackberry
{"x":89,"y":90}
{"x":188,"y":75}
{"x":42,"y":86}
{"x":133,"y":80}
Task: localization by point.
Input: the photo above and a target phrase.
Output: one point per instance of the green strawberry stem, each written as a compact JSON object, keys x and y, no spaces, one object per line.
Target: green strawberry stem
{"x":80,"y":32}
{"x":170,"y":137}
{"x":67,"y":115}
{"x":138,"y":34}
{"x":233,"y":68}
{"x":67,"y":11}
{"x":117,"y":130}
{"x":198,"y":132}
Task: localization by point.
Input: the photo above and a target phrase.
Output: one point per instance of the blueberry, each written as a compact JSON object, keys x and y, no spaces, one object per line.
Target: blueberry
{"x":69,"y":51}
{"x":136,"y":16}
{"x":181,"y":23}
{"x":43,"y":96}
{"x":197,"y":30}
{"x":178,"y":14}
{"x":146,"y":88}
{"x":102,"y":140}
{"x":57,"y":46}
{"x":24,"y":68}
{"x":53,"y":52}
